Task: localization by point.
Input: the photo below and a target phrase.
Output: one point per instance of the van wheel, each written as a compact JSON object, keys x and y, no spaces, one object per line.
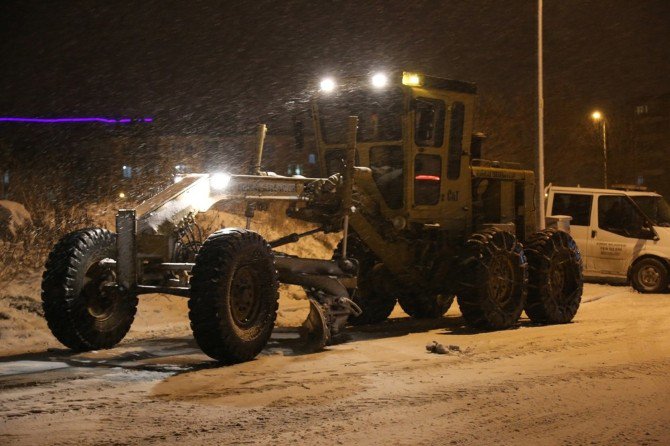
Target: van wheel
{"x":555,"y":280}
{"x":492,"y":290}
{"x":649,"y":276}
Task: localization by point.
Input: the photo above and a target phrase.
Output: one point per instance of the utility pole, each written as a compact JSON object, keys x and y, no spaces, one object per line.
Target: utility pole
{"x":605,"y":151}
{"x":539,"y":161}
{"x":597,"y":117}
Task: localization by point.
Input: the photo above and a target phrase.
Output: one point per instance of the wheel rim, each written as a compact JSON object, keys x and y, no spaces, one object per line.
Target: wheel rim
{"x":649,"y":276}
{"x":501,"y":279}
{"x":245,"y":302}
{"x":99,"y":302}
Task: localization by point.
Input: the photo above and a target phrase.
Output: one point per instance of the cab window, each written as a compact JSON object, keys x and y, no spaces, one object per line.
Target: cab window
{"x":335,"y":160}
{"x":429,"y":122}
{"x":386,"y":163}
{"x":455,"y":140}
{"x":576,"y":206}
{"x":427,"y":171}
{"x":616,"y":214}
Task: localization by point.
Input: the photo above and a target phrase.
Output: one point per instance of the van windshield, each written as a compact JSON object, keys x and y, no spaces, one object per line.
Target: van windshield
{"x":654,"y":207}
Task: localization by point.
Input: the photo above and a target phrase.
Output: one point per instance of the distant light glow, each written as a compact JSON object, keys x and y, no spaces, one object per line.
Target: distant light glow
{"x":73,"y":120}
{"x":327,"y":85}
{"x":379,"y":80}
{"x":596,"y":115}
{"x":122,"y":195}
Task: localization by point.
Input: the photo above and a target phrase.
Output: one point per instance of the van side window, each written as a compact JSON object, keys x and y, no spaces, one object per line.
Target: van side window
{"x":616,"y":214}
{"x":576,"y":206}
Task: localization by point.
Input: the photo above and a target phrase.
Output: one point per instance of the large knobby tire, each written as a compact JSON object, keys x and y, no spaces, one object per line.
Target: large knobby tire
{"x":234,"y":294}
{"x":375,"y":294}
{"x":494,"y":277}
{"x":555,"y":277}
{"x":81,"y":311}
{"x":649,"y":275}
{"x":425,"y":305}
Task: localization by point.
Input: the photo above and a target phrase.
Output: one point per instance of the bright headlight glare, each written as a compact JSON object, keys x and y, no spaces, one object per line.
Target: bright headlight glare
{"x":379,"y":80}
{"x":327,"y":85}
{"x":219,"y":180}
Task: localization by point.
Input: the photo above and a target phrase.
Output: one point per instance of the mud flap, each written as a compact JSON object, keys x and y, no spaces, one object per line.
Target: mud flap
{"x":314,"y":331}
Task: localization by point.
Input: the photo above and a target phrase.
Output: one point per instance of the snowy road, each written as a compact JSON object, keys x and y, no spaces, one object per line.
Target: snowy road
{"x":600,"y":380}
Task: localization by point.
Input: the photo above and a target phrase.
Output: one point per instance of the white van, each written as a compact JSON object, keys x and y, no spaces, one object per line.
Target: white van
{"x":621,"y":234}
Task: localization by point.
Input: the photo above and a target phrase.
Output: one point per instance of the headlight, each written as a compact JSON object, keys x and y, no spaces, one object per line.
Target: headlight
{"x":219,"y":180}
{"x":327,"y":85}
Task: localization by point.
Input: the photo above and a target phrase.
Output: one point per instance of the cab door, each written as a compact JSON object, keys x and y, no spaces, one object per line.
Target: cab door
{"x":440,"y":183}
{"x":615,"y":234}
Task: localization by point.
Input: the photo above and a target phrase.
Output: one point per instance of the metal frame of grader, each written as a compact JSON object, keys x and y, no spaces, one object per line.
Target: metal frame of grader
{"x":467,"y":241}
{"x":144,"y":233}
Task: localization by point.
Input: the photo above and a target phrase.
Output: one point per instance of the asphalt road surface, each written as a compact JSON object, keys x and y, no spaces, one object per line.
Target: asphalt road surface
{"x":602,"y":379}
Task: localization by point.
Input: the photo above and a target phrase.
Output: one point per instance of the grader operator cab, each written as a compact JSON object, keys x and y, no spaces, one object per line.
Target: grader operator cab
{"x":422,"y":220}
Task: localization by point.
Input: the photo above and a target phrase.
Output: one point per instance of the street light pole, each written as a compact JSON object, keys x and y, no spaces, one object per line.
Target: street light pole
{"x":605,"y":151}
{"x":539,"y":162}
{"x":597,"y":117}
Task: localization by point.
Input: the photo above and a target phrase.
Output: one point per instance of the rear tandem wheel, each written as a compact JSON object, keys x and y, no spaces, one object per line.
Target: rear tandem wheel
{"x":375,"y":294}
{"x":555,"y":277}
{"x":494,"y":276}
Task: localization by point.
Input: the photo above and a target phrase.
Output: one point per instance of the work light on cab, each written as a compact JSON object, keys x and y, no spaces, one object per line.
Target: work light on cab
{"x":379,"y":80}
{"x":412,"y":79}
{"x":327,"y":85}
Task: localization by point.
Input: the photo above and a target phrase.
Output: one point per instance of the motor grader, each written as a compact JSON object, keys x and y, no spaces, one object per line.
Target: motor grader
{"x":423,"y":219}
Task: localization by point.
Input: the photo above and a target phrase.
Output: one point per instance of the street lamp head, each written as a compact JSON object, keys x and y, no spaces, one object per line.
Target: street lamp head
{"x":596,"y":115}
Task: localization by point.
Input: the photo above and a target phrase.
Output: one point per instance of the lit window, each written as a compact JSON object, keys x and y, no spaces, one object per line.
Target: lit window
{"x":127,"y":172}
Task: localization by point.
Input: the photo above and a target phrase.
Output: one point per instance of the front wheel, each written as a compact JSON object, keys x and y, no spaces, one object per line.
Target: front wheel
{"x":649,"y":275}
{"x":80,"y":305}
{"x":555,"y":278}
{"x":233,"y":304}
{"x":492,"y":290}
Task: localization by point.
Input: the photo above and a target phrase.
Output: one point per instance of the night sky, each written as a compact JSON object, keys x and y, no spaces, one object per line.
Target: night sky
{"x":224,"y":66}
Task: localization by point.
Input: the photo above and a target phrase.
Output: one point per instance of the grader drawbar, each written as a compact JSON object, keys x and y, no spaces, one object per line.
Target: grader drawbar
{"x":422,"y":221}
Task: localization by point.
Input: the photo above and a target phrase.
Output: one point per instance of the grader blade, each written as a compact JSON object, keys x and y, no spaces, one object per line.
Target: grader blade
{"x":314,"y":330}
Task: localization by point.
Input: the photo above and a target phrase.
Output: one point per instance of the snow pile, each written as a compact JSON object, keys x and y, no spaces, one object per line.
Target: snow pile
{"x":23,"y":328}
{"x":13,"y":217}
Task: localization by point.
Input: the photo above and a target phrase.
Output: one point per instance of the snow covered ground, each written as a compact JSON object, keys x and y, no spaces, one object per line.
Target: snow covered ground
{"x":600,"y":380}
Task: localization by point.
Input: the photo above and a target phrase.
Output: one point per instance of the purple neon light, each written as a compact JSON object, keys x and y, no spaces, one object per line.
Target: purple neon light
{"x":73,"y":120}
